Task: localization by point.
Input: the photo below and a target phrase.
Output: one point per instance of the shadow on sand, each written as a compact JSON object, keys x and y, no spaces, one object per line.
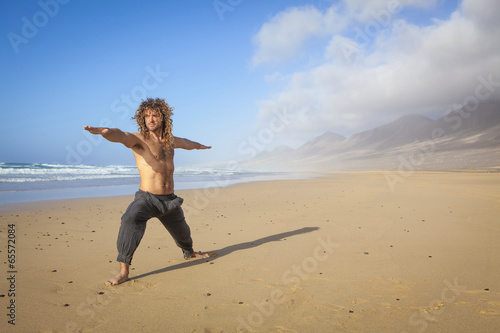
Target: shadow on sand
{"x":228,"y":250}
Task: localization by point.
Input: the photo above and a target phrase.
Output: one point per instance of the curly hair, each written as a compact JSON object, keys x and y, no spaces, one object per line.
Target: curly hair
{"x":164,"y":110}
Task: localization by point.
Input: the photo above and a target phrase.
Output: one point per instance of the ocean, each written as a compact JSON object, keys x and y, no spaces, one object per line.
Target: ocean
{"x":27,"y":182}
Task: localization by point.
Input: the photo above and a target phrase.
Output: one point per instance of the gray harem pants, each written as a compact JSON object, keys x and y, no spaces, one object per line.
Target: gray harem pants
{"x":167,"y":208}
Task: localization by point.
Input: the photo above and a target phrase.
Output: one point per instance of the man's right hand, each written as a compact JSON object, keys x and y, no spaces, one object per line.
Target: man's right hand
{"x":96,"y":130}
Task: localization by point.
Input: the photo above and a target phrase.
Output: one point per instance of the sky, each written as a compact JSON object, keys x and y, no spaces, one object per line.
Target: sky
{"x":243,"y":76}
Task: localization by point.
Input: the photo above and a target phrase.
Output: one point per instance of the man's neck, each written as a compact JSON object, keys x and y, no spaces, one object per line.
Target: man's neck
{"x":156,"y":135}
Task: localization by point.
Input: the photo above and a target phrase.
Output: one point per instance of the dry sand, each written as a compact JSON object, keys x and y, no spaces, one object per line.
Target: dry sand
{"x":345,"y":253}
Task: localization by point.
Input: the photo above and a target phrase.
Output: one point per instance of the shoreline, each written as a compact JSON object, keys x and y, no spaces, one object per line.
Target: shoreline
{"x":18,"y":198}
{"x":62,"y":193}
{"x":344,"y":254}
{"x":100,"y":191}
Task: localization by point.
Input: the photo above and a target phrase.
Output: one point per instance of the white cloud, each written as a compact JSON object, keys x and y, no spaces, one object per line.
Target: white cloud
{"x":484,"y":13}
{"x":285,"y":35}
{"x":403,"y":69}
{"x":275,"y":77}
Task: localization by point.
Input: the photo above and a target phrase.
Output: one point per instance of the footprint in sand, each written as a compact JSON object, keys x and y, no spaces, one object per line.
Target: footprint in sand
{"x":253,"y":281}
{"x":134,"y":287}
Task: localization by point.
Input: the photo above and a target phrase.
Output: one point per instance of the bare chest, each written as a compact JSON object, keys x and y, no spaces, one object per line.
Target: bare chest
{"x":160,"y":152}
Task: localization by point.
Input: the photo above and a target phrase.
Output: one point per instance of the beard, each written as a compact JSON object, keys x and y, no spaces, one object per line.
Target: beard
{"x":153,"y":128}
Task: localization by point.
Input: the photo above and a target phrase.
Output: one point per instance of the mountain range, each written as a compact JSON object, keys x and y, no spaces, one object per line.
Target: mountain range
{"x":467,"y":138}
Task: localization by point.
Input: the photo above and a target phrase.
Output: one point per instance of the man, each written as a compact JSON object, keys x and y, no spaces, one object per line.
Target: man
{"x":153,"y":149}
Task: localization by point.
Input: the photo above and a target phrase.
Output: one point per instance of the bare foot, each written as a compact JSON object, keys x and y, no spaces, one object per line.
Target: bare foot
{"x":199,"y":255}
{"x":120,"y":278}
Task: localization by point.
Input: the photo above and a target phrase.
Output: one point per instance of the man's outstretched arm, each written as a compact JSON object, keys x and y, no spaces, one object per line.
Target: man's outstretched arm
{"x":114,"y":135}
{"x":188,"y":144}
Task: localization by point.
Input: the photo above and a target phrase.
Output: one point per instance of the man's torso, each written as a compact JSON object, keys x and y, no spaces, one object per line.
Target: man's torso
{"x":155,"y":162}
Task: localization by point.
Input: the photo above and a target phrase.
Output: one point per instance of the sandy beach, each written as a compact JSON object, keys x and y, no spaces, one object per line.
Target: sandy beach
{"x":350,"y":252}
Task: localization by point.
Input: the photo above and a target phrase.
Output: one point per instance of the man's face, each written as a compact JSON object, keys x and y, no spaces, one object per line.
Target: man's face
{"x":152,"y":120}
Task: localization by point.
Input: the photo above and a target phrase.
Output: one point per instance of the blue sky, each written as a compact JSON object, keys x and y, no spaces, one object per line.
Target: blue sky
{"x":243,"y":76}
